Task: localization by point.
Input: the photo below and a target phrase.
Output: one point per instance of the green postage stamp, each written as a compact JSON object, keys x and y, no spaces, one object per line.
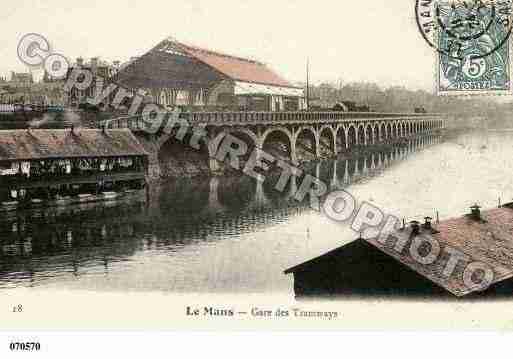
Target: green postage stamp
{"x":472,"y":40}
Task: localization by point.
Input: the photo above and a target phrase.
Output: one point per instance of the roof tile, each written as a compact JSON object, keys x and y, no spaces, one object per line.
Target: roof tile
{"x":489,"y":242}
{"x":44,"y":144}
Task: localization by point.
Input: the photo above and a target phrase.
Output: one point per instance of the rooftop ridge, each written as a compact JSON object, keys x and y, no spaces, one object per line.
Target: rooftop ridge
{"x":222,"y":64}
{"x":216,"y":53}
{"x":23,"y":144}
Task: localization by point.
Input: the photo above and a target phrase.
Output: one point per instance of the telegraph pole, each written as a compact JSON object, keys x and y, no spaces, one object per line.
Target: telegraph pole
{"x":307,"y":83}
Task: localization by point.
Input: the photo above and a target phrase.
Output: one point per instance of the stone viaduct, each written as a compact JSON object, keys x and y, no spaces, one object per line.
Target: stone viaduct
{"x":322,"y":134}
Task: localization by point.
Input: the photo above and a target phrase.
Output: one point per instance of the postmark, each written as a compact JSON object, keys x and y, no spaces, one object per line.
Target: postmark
{"x":472,"y":43}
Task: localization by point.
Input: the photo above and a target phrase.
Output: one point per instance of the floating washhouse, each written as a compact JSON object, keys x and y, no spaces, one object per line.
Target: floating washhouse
{"x":471,"y":255}
{"x":71,"y":165}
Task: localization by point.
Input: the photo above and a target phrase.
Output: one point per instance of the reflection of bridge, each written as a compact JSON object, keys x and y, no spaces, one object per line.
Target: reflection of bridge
{"x":337,"y":174}
{"x":322,"y":133}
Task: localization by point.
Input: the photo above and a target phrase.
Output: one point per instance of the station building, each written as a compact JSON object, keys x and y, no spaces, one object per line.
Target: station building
{"x":175,"y":74}
{"x":101,"y":71}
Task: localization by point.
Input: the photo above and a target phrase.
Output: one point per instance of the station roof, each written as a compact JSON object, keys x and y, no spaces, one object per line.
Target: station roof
{"x":488,"y":241}
{"x":61,"y":144}
{"x":236,"y":68}
{"x":163,"y":60}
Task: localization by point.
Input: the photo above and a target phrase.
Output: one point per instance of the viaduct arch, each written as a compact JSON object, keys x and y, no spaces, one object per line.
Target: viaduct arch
{"x":289,"y":134}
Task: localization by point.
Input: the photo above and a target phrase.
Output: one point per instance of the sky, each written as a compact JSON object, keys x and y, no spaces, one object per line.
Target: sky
{"x":365,"y":40}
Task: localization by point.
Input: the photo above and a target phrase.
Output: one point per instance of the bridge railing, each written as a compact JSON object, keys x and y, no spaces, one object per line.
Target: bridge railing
{"x":219,"y":118}
{"x":215,"y":117}
{"x":131,"y":122}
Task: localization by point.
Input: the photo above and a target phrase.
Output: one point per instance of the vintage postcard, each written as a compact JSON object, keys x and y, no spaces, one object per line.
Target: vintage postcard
{"x":270,"y":165}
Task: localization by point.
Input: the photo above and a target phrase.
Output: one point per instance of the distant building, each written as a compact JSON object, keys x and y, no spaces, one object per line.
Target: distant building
{"x":21,"y":79}
{"x":102,"y":71}
{"x":22,"y":88}
{"x":176,"y":74}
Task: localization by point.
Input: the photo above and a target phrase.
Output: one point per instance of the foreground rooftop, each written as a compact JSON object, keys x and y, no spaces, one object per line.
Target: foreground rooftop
{"x":486,"y":238}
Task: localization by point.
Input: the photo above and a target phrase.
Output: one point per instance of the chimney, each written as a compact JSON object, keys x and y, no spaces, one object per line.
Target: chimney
{"x":80,"y":61}
{"x":475,"y":212}
{"x":94,"y":65}
{"x":415,"y":228}
{"x":427,"y":223}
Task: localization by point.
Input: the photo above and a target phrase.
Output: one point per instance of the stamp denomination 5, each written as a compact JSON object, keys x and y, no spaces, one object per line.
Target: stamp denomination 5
{"x":471,"y":42}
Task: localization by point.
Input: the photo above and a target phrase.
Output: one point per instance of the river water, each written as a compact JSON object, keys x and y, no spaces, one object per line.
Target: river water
{"x":232,"y":236}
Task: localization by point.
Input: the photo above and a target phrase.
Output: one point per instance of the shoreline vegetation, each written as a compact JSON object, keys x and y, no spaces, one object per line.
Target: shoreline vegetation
{"x":397,"y":99}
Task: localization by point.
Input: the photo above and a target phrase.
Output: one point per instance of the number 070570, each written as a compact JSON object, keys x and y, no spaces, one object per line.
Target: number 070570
{"x":24,"y":346}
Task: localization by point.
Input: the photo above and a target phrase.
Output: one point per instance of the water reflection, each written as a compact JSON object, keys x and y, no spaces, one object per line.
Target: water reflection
{"x":68,"y":244}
